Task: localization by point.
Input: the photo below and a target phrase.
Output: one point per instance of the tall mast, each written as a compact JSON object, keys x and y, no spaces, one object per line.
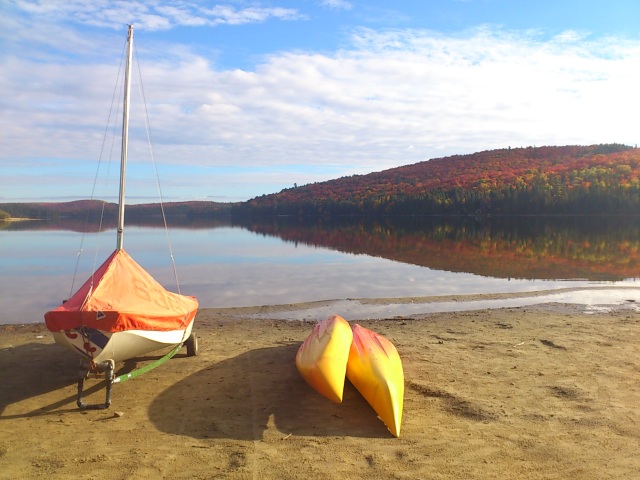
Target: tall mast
{"x":125,"y":137}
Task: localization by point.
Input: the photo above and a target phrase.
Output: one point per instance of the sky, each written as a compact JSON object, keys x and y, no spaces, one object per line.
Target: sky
{"x":245,"y":98}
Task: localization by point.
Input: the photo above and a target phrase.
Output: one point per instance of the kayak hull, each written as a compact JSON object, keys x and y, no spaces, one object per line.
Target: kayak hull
{"x":375,"y":369}
{"x":322,"y":357}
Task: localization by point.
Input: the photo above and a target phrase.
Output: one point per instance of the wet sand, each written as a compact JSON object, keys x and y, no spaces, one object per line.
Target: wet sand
{"x":542,"y":391}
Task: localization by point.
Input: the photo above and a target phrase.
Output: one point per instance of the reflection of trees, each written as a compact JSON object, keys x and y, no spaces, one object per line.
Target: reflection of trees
{"x":96,"y":215}
{"x":535,"y":247}
{"x":602,"y":248}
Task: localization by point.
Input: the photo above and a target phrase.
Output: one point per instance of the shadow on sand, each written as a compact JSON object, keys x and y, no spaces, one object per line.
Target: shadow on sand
{"x":36,"y":369}
{"x":242,"y":397}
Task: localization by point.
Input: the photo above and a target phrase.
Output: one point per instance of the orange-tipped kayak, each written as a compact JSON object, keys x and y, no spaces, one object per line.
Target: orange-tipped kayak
{"x":375,"y":369}
{"x":322,"y":357}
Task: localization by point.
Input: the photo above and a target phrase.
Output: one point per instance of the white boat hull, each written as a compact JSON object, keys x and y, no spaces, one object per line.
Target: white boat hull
{"x":101,"y":346}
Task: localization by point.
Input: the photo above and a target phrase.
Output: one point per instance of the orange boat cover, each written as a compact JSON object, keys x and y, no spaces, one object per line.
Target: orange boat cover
{"x":122,"y":296}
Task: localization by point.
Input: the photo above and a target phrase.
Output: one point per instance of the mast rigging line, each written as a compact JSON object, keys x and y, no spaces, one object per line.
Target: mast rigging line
{"x":155,"y":166}
{"x":119,"y":87}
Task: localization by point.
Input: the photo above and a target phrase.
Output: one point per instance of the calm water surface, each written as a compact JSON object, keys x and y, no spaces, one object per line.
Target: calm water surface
{"x":287,"y":262}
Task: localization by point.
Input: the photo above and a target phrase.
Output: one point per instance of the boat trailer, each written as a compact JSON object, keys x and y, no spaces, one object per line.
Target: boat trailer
{"x":108,"y":367}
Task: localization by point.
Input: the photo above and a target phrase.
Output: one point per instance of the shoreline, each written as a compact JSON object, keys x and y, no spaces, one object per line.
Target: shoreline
{"x":544,"y":391}
{"x":579,"y":299}
{"x":417,"y":306}
{"x":607,"y":298}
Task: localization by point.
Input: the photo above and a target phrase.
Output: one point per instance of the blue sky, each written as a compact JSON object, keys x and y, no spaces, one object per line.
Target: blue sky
{"x":245,"y":98}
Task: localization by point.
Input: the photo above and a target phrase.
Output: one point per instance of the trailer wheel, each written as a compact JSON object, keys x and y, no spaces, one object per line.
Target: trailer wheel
{"x":192,"y":345}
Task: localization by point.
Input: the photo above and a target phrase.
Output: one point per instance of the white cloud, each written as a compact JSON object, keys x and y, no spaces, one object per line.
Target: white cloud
{"x":224,"y":14}
{"x":435,"y":93}
{"x":150,"y":15}
{"x":392,"y":98}
{"x":368,"y":104}
{"x":337,"y":4}
{"x":569,"y":36}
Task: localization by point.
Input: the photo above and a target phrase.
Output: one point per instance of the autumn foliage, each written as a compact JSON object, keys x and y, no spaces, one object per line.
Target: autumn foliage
{"x":527,"y":247}
{"x":570,"y":179}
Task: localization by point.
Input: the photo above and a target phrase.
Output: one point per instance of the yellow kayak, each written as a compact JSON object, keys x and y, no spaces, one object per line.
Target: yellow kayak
{"x":322,"y":357}
{"x":375,"y":369}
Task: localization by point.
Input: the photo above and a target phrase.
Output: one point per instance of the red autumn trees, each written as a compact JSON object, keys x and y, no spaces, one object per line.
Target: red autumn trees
{"x":570,"y":179}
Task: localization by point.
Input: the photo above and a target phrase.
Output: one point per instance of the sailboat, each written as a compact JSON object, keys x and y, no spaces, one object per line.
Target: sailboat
{"x":121,"y":312}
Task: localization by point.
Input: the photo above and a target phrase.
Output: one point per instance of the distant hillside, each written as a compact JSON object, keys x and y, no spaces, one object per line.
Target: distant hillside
{"x":551,"y":180}
{"x":92,"y":209}
{"x":543,"y":180}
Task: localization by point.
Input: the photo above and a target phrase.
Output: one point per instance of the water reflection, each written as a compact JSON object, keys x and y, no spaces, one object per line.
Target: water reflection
{"x":287,"y":261}
{"x":544,"y":248}
{"x":603,"y":248}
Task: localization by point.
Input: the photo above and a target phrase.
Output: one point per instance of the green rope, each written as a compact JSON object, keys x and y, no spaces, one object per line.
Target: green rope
{"x":145,"y":369}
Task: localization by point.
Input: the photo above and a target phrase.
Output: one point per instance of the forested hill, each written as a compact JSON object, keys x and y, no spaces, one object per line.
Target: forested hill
{"x":96,"y":209}
{"x":551,"y":180}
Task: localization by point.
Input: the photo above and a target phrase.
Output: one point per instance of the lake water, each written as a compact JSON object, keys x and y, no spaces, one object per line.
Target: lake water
{"x":251,"y":263}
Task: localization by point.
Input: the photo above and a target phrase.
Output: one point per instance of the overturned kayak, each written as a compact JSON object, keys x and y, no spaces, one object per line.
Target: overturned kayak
{"x":322,"y":357}
{"x":375,"y":369}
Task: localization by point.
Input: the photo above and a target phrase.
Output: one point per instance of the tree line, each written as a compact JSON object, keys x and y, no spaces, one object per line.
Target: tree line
{"x":543,"y":180}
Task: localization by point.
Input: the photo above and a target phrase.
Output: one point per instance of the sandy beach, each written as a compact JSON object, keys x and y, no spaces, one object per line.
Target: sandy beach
{"x":536,"y":392}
